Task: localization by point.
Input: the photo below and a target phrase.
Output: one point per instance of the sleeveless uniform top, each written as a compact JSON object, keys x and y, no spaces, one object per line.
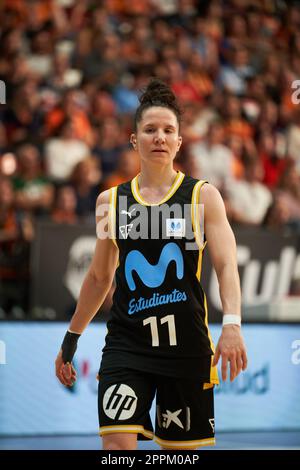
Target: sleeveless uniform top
{"x":159,"y":314}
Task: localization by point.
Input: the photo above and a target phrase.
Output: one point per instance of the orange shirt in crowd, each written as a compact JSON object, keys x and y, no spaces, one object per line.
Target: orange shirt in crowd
{"x":81,"y":124}
{"x":239,"y":128}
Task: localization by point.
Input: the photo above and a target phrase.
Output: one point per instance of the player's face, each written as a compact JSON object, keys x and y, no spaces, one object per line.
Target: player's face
{"x":157,"y":139}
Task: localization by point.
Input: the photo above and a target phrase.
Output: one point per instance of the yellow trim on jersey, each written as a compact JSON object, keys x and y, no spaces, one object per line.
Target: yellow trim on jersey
{"x":130,"y":429}
{"x":196,"y":224}
{"x":137,"y":196}
{"x":214,"y":377}
{"x":112,"y":213}
{"x":207,"y":386}
{"x":185,"y":444}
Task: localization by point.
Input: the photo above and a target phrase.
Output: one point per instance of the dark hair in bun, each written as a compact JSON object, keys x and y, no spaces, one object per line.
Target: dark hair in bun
{"x":157,"y":93}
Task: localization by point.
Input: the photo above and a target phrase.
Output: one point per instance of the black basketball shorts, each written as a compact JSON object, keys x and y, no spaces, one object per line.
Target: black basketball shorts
{"x":184,"y":408}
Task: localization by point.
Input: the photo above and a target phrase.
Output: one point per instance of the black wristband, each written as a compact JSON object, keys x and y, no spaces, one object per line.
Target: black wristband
{"x":69,"y":346}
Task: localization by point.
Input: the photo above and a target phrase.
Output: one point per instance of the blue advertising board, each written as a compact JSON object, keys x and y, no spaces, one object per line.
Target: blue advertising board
{"x":32,"y":401}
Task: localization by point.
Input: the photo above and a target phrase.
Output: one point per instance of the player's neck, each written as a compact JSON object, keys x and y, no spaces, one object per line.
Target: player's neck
{"x":155,"y":179}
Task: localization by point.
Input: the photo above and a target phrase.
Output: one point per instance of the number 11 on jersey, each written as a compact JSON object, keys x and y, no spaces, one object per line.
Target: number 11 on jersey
{"x":170,"y":320}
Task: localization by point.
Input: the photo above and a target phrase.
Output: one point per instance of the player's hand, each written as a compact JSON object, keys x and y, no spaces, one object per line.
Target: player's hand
{"x":231,"y":348}
{"x":65,"y":373}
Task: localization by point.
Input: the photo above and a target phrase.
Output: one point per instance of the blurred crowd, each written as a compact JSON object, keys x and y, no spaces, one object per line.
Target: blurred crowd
{"x":73,"y":71}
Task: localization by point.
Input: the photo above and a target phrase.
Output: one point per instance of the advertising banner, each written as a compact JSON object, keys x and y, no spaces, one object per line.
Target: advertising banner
{"x":267,"y":266}
{"x":32,"y":401}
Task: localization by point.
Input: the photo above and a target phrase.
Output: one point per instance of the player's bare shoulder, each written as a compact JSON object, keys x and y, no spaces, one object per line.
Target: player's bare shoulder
{"x":210,"y":194}
{"x":213,"y":202}
{"x":105,"y":217}
{"x":103,"y":197}
{"x":103,"y":205}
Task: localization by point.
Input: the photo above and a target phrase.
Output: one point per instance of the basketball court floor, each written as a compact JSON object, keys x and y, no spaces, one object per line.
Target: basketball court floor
{"x":225,"y":441}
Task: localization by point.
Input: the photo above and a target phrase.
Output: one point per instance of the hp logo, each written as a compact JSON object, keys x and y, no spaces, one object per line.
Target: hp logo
{"x":119,"y":402}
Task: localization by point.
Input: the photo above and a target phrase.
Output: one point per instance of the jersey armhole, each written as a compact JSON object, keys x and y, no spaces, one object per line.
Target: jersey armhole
{"x":112,"y":214}
{"x":197,"y":210}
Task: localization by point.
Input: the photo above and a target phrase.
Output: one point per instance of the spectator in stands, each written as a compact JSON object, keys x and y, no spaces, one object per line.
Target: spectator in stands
{"x":73,"y":108}
{"x":183,"y":88}
{"x":3,"y":139}
{"x":104,"y":62}
{"x":235,"y":124}
{"x":249,"y":199}
{"x":103,"y":106}
{"x":289,"y":194}
{"x":125,"y":96}
{"x":268,"y":120}
{"x":198,"y":76}
{"x":128,"y":168}
{"x":272,"y":74}
{"x":82,"y":47}
{"x":111,"y":142}
{"x":206,"y":37}
{"x":40,"y":56}
{"x":22,"y":120}
{"x":278,"y":215}
{"x":293,"y":140}
{"x":64,"y":211}
{"x":62,"y":153}
{"x":233,"y":75}
{"x":86,"y":180}
{"x":272,"y":163}
{"x":239,"y":153}
{"x":62,"y":76}
{"x":213,"y":160}
{"x":16,"y":232}
{"x":34,"y":193}
{"x":197,"y":119}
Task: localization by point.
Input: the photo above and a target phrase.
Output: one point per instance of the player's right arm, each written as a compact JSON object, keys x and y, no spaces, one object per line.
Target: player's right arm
{"x":100,"y":275}
{"x":95,"y":287}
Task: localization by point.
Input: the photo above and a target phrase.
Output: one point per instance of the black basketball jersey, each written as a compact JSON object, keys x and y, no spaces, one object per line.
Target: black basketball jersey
{"x":159,"y":313}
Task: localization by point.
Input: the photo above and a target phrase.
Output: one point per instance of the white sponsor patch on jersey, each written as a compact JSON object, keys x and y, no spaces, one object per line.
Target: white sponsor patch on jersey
{"x":175,"y":227}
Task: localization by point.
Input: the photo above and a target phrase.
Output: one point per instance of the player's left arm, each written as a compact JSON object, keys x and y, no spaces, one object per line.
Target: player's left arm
{"x":222,"y":248}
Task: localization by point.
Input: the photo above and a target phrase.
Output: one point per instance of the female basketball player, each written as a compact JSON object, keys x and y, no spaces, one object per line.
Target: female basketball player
{"x":158,"y":340}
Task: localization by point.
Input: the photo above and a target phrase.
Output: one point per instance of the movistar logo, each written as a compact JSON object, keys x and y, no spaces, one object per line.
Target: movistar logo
{"x":153,"y":275}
